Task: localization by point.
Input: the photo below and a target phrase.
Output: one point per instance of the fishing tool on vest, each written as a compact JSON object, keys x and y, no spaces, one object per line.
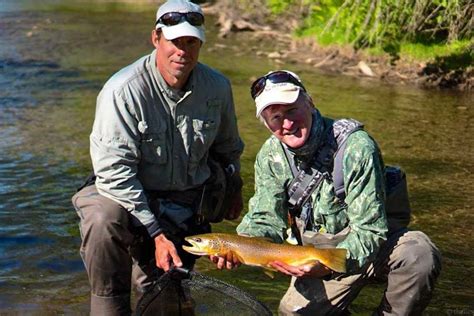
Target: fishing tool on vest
{"x":299,"y":190}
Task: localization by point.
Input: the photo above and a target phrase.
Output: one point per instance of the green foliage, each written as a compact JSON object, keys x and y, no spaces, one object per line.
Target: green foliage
{"x":387,"y":24}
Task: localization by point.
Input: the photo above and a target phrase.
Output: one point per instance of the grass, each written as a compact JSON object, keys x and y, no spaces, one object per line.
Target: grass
{"x":421,"y":51}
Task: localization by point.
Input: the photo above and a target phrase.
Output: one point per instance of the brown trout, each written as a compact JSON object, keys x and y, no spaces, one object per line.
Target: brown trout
{"x":259,"y":251}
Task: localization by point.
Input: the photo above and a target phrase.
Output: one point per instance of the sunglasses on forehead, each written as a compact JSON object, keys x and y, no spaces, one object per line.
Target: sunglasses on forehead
{"x":279,"y":76}
{"x":174,"y":18}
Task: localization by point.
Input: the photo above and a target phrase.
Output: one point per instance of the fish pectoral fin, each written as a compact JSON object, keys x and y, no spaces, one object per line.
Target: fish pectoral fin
{"x":310,"y":263}
{"x":239,"y":257}
{"x":269,"y":273}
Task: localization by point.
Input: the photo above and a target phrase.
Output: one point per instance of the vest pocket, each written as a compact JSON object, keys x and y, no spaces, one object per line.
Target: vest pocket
{"x":204,"y":133}
{"x":153,"y":149}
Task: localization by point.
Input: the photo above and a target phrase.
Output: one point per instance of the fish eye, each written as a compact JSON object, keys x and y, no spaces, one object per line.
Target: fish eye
{"x":198,"y":239}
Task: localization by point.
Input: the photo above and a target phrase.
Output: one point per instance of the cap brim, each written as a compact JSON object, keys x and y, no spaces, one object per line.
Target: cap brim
{"x":267,"y":98}
{"x":182,"y":29}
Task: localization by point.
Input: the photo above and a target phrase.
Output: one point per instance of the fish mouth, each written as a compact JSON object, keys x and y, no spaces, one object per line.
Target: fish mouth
{"x":195,"y":249}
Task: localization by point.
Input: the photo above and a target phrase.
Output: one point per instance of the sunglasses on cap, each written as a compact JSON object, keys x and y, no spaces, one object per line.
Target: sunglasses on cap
{"x":174,"y":18}
{"x":279,"y":76}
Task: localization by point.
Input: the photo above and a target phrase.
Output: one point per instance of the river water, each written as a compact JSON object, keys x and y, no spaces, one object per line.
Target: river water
{"x":56,"y":55}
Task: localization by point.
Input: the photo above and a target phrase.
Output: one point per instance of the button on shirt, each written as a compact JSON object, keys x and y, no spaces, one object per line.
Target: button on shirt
{"x":148,"y":136}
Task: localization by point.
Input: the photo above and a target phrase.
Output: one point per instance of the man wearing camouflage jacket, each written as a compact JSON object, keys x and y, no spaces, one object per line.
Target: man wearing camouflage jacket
{"x":407,"y":261}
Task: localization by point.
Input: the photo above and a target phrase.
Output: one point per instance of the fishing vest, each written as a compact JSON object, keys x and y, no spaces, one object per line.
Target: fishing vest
{"x":328,"y":164}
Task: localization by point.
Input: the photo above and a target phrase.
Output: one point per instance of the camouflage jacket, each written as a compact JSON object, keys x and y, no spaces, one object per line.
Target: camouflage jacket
{"x":362,"y":210}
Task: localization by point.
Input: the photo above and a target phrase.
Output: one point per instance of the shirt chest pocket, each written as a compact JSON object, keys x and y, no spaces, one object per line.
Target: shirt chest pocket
{"x":203,"y":135}
{"x":153,"y":148}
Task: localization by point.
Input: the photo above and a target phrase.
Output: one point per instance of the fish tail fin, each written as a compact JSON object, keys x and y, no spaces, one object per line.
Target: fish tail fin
{"x":333,"y":258}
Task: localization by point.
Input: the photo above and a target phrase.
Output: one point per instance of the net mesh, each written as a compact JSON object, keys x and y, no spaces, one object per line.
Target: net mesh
{"x":180,"y":292}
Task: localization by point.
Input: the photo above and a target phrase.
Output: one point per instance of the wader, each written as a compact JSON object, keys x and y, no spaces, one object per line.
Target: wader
{"x":408,"y":262}
{"x":117,"y":254}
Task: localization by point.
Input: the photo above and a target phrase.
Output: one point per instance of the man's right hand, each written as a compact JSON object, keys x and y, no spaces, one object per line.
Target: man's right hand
{"x":165,"y":253}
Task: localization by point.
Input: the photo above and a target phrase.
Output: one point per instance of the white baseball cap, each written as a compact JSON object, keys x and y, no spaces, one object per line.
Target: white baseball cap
{"x":276,"y":87}
{"x":285,"y":92}
{"x":184,"y":28}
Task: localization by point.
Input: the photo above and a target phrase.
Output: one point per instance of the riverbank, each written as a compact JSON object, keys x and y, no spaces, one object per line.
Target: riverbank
{"x":285,"y":47}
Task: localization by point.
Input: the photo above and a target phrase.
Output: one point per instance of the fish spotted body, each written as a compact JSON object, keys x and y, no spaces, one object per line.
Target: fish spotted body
{"x":258,"y":251}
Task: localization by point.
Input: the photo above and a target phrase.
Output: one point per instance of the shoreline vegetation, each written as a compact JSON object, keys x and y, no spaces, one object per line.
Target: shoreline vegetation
{"x":415,"y":46}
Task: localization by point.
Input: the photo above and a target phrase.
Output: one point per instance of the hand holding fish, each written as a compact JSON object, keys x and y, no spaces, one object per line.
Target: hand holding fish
{"x":229,"y":261}
{"x":166,"y":254}
{"x":317,"y":270}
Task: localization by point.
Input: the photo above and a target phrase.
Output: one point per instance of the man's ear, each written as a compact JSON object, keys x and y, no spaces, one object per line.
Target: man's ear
{"x":309,"y":101}
{"x":155,"y":38}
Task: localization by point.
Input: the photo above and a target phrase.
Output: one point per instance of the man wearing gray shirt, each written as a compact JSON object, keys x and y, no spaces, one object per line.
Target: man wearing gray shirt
{"x":158,"y":123}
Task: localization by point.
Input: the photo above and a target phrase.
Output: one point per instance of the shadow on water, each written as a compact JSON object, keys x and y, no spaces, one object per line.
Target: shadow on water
{"x":56,"y":55}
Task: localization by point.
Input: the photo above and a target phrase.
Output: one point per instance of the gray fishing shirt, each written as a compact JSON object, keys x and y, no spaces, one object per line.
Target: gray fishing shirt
{"x":147,"y":136}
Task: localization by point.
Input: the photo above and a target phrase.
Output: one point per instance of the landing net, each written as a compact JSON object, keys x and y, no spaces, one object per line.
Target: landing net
{"x":181,"y":292}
